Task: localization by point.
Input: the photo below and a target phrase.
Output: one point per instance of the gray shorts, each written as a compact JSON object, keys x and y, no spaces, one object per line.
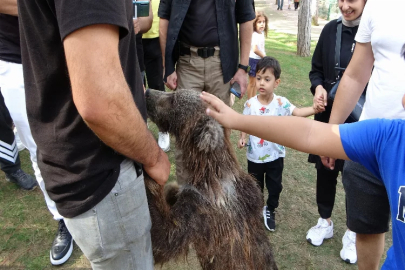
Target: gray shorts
{"x":115,"y":234}
{"x":367,"y":205}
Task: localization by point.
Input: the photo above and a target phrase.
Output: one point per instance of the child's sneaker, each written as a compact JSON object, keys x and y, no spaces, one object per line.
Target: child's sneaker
{"x":321,"y":231}
{"x":269,"y":219}
{"x":348,"y":252}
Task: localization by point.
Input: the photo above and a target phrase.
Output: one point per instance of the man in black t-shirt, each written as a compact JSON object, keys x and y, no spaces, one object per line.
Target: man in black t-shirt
{"x":12,"y":89}
{"x":82,"y":77}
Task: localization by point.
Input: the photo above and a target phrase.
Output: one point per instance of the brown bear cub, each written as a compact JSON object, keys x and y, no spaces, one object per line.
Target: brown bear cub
{"x":219,"y":210}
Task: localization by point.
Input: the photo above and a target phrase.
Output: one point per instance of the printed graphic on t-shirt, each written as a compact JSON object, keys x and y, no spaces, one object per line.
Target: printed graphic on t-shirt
{"x":401,"y":204}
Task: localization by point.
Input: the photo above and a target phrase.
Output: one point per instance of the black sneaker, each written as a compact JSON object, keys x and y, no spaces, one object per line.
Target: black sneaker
{"x":62,"y":245}
{"x":23,"y":179}
{"x":269,"y":219}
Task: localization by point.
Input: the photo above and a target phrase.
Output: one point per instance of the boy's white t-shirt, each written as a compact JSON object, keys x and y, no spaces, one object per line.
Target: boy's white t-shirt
{"x":382,"y":24}
{"x":257,"y":39}
{"x":259,"y":150}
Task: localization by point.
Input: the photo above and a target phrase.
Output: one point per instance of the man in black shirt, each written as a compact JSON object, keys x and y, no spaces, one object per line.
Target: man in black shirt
{"x":12,"y":89}
{"x":201,"y":37}
{"x":207,"y":24}
{"x":82,"y":77}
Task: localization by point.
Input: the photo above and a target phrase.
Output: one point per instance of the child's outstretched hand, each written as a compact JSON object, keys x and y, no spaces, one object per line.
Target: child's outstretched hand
{"x":241,"y":142}
{"x":217,"y":109}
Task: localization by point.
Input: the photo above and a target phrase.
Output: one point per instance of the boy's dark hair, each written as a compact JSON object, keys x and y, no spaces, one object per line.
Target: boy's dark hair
{"x":271,"y":63}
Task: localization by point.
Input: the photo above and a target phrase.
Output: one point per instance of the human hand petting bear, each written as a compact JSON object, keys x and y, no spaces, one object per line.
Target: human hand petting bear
{"x":221,"y":112}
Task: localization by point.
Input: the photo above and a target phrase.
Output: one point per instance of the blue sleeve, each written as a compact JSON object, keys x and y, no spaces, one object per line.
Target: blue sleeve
{"x":362,"y":142}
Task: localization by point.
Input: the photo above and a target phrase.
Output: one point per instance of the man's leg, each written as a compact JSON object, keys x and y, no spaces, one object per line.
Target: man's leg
{"x":214,"y":80}
{"x":370,"y":248}
{"x":368,"y":213}
{"x":9,"y":157}
{"x":14,"y":96}
{"x":190,"y":75}
{"x":153,"y":63}
{"x":115,"y":234}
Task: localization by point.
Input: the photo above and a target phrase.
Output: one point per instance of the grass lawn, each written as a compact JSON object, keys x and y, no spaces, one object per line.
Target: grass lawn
{"x":27,"y":229}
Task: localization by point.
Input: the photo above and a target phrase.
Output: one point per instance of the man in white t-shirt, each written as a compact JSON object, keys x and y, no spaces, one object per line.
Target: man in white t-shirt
{"x":379,"y":42}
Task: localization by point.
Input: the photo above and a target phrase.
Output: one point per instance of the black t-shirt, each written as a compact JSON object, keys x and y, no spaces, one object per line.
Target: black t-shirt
{"x":200,"y":27}
{"x":79,"y":170}
{"x":9,"y":39}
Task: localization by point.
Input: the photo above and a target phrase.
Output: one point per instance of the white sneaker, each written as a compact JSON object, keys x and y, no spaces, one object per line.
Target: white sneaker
{"x":321,"y":231}
{"x":20,"y":145}
{"x":348,"y":252}
{"x":164,"y":141}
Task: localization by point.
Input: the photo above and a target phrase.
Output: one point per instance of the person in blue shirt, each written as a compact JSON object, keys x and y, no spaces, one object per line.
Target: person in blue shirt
{"x":375,"y":143}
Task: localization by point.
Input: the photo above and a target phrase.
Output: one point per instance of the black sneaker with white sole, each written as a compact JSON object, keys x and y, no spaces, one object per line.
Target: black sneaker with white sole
{"x":23,"y":179}
{"x":62,"y":245}
{"x":269,"y":219}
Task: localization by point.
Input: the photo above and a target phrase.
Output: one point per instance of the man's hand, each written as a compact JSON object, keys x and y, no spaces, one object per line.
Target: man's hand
{"x":137,"y":26}
{"x":219,"y":110}
{"x":240,"y":77}
{"x":320,"y":100}
{"x":328,"y":162}
{"x":161,"y":170}
{"x":172,"y":81}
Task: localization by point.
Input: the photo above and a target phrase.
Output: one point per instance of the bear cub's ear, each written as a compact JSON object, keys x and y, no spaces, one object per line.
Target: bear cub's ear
{"x":208,"y":135}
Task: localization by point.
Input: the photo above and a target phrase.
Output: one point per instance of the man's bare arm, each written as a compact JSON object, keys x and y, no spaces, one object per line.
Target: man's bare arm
{"x":9,"y":7}
{"x":146,"y":22}
{"x":245,"y":36}
{"x":103,"y":99}
{"x":352,"y":83}
{"x":299,"y":133}
{"x":163,"y":25}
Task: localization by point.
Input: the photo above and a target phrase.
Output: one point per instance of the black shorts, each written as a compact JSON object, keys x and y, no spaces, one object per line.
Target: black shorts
{"x":367,"y":205}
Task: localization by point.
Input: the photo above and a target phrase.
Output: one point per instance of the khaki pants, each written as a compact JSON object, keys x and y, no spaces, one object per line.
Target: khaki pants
{"x":197,"y":73}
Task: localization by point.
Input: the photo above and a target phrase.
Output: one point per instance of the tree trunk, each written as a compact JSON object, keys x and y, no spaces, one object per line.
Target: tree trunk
{"x":304,"y":29}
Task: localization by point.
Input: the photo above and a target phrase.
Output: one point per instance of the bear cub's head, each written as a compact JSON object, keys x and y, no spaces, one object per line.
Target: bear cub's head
{"x":182,"y":114}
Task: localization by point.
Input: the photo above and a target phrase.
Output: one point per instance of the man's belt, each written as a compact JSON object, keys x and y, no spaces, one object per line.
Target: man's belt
{"x":204,"y":52}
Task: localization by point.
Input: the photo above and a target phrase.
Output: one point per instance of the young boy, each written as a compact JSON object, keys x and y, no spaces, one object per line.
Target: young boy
{"x":264,"y":157}
{"x":377,"y":144}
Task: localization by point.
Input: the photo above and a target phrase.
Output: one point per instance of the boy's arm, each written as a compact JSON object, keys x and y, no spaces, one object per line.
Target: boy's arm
{"x":304,"y":112}
{"x":299,"y":133}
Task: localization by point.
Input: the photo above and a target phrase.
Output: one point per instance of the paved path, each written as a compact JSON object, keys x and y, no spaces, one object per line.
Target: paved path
{"x":285,"y":21}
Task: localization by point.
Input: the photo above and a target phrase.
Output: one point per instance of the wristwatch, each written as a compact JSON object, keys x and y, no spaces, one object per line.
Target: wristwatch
{"x":245,"y":68}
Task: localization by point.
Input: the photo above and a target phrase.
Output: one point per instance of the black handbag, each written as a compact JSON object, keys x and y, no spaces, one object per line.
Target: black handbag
{"x":355,"y":114}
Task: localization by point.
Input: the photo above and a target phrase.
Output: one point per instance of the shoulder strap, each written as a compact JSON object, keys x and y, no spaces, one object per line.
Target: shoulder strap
{"x":337,"y":46}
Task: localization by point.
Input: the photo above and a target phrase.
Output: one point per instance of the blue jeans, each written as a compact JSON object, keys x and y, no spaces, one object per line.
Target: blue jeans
{"x":280,"y":4}
{"x":115,"y":234}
